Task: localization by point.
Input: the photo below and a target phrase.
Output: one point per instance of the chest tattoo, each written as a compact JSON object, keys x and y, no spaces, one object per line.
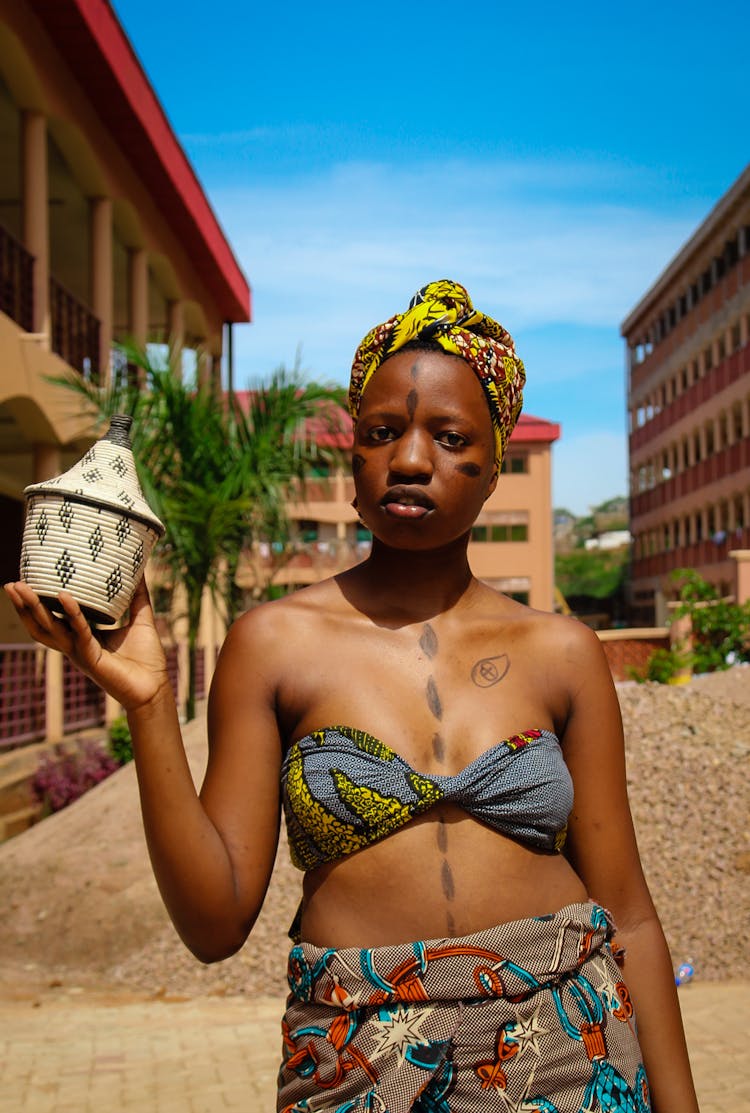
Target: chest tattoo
{"x":490,"y":670}
{"x":433,"y":699}
{"x":428,"y":643}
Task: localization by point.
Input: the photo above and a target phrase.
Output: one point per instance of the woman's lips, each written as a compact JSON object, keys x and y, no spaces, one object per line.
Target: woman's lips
{"x":405,"y":510}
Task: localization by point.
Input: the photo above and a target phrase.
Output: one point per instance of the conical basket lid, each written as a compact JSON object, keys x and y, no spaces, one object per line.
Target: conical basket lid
{"x":105,"y":476}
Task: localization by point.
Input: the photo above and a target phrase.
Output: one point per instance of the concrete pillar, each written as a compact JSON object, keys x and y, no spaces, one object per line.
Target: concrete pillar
{"x":138,"y":278}
{"x":102,"y":278}
{"x":35,"y":205}
{"x":46,"y":463}
{"x":180,"y":633}
{"x":741,"y":557}
{"x":176,"y":326}
{"x":203,"y":365}
{"x":53,"y":694}
{"x":681,"y":642}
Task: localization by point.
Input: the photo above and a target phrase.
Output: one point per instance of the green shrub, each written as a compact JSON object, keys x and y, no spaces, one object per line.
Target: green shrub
{"x":661,"y":667}
{"x":721,"y":630}
{"x":120,"y":742}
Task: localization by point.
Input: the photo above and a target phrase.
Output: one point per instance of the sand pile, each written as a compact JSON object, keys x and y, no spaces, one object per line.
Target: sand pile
{"x":80,"y":906}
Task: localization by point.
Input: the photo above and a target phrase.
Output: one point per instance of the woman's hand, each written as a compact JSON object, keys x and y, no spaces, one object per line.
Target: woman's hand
{"x":128,"y":662}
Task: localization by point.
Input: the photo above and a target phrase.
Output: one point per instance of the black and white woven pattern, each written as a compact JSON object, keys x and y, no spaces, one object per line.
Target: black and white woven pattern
{"x":90,"y":531}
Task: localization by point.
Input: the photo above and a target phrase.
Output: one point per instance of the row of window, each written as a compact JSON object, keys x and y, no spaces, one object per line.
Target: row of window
{"x":731,"y":340}
{"x":719,"y":522}
{"x":734,"y":249}
{"x":722,"y":431}
{"x":515,"y":463}
{"x":500,"y":533}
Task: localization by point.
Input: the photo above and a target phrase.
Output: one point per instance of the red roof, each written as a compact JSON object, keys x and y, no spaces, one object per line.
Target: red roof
{"x":89,"y":37}
{"x":535,"y":429}
{"x":332,"y":429}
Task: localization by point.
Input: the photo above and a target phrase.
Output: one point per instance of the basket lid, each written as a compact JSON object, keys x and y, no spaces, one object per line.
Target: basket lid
{"x":105,"y":476}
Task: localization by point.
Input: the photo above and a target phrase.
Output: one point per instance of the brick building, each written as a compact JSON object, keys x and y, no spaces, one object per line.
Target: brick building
{"x":688,"y":359}
{"x":105,"y":234}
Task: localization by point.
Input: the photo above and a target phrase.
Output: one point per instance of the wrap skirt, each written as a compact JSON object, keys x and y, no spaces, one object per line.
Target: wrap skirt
{"x":530,"y":1016}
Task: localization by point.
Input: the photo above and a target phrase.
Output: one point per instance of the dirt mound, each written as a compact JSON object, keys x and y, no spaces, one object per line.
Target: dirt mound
{"x":81,"y":906}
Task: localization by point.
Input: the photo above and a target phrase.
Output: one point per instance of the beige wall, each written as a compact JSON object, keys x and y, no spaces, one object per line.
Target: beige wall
{"x":522,"y":565}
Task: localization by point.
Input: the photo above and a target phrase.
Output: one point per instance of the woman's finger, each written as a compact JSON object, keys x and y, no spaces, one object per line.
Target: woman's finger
{"x":38,"y":619}
{"x":140,"y":604}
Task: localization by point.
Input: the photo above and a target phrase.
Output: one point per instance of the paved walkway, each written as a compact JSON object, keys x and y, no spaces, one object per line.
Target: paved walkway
{"x":76,"y":1053}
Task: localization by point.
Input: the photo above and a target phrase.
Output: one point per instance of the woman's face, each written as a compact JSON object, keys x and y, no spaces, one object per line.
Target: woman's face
{"x":424,"y":450}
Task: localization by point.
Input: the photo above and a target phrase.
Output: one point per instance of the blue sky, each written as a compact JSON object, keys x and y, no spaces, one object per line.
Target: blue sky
{"x":551,"y":157}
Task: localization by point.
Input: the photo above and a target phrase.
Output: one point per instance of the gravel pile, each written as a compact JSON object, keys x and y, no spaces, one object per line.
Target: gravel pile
{"x":81,"y":907}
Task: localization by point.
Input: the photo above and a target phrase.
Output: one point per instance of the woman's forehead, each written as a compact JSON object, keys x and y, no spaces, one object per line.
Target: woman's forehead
{"x":428,"y":376}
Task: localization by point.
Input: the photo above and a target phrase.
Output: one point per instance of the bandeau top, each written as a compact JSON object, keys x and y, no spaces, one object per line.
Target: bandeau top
{"x":343,"y":790}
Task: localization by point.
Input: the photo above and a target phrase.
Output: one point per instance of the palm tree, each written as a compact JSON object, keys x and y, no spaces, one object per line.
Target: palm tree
{"x":217,"y":475}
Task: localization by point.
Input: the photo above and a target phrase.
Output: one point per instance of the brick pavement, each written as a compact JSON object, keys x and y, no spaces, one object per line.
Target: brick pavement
{"x":79,"y":1053}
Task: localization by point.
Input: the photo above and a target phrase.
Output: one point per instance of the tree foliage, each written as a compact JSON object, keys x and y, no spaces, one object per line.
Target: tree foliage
{"x":217,"y":475}
{"x":720,"y":629}
{"x":592,"y":574}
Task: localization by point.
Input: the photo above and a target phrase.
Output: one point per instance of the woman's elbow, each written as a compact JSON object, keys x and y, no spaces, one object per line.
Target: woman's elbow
{"x":215,"y":945}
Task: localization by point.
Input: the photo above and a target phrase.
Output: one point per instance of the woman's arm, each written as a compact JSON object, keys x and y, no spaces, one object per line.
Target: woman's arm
{"x":602,"y":848}
{"x":212,"y":854}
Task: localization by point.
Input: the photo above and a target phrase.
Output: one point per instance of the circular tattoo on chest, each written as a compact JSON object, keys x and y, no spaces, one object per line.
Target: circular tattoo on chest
{"x":490,"y":670}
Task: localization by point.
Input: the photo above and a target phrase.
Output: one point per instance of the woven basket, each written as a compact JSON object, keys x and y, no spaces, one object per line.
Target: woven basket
{"x":90,"y":531}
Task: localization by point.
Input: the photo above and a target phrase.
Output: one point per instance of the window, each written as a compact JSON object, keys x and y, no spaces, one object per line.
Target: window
{"x":308,"y":531}
{"x":517,"y":464}
{"x":518,"y":532}
{"x":520,"y":597}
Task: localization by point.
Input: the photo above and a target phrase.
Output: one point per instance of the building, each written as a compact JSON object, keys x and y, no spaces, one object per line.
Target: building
{"x":511,"y":547}
{"x":105,"y":234}
{"x":688,"y":360}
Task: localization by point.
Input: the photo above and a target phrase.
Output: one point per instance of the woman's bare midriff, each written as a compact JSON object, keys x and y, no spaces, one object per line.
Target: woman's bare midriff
{"x":442,"y":875}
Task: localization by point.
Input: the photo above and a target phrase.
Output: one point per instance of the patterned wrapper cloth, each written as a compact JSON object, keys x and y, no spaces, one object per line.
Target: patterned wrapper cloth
{"x":530,"y":1016}
{"x":442,"y":311}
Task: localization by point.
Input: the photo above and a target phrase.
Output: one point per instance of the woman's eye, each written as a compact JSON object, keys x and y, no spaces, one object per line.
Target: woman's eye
{"x":380,"y":434}
{"x":452,"y":439}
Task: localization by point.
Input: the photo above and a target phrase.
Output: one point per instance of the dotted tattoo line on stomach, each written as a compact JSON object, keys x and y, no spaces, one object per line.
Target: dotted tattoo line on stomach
{"x":447,"y":883}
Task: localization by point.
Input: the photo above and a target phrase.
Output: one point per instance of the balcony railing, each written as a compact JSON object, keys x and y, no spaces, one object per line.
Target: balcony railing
{"x":16,"y":281}
{"x":22,"y":693}
{"x":75,"y":331}
{"x":699,"y":554}
{"x":83,"y":701}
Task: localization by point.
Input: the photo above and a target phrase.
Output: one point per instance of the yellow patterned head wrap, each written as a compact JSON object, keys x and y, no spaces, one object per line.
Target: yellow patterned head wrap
{"x":442,"y":311}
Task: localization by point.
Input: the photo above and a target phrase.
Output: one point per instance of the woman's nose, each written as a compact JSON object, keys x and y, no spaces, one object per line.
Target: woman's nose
{"x":412,"y":453}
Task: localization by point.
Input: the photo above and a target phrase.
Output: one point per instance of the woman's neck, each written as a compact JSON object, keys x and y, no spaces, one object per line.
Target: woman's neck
{"x":410,"y":586}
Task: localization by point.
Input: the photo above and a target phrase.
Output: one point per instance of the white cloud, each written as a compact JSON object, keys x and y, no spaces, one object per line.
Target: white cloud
{"x":331,"y":254}
{"x":588,"y":469}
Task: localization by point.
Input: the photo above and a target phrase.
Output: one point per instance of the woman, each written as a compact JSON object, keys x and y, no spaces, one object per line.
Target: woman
{"x":431,"y":741}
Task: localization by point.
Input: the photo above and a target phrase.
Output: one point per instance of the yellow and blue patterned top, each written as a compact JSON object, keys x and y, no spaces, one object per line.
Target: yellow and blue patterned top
{"x":343,"y":790}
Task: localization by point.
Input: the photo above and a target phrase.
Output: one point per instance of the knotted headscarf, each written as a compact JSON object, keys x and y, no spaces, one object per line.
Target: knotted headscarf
{"x":442,"y":311}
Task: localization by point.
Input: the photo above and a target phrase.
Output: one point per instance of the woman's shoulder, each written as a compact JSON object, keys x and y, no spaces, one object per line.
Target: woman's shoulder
{"x":272,"y":623}
{"x":558,"y":632}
